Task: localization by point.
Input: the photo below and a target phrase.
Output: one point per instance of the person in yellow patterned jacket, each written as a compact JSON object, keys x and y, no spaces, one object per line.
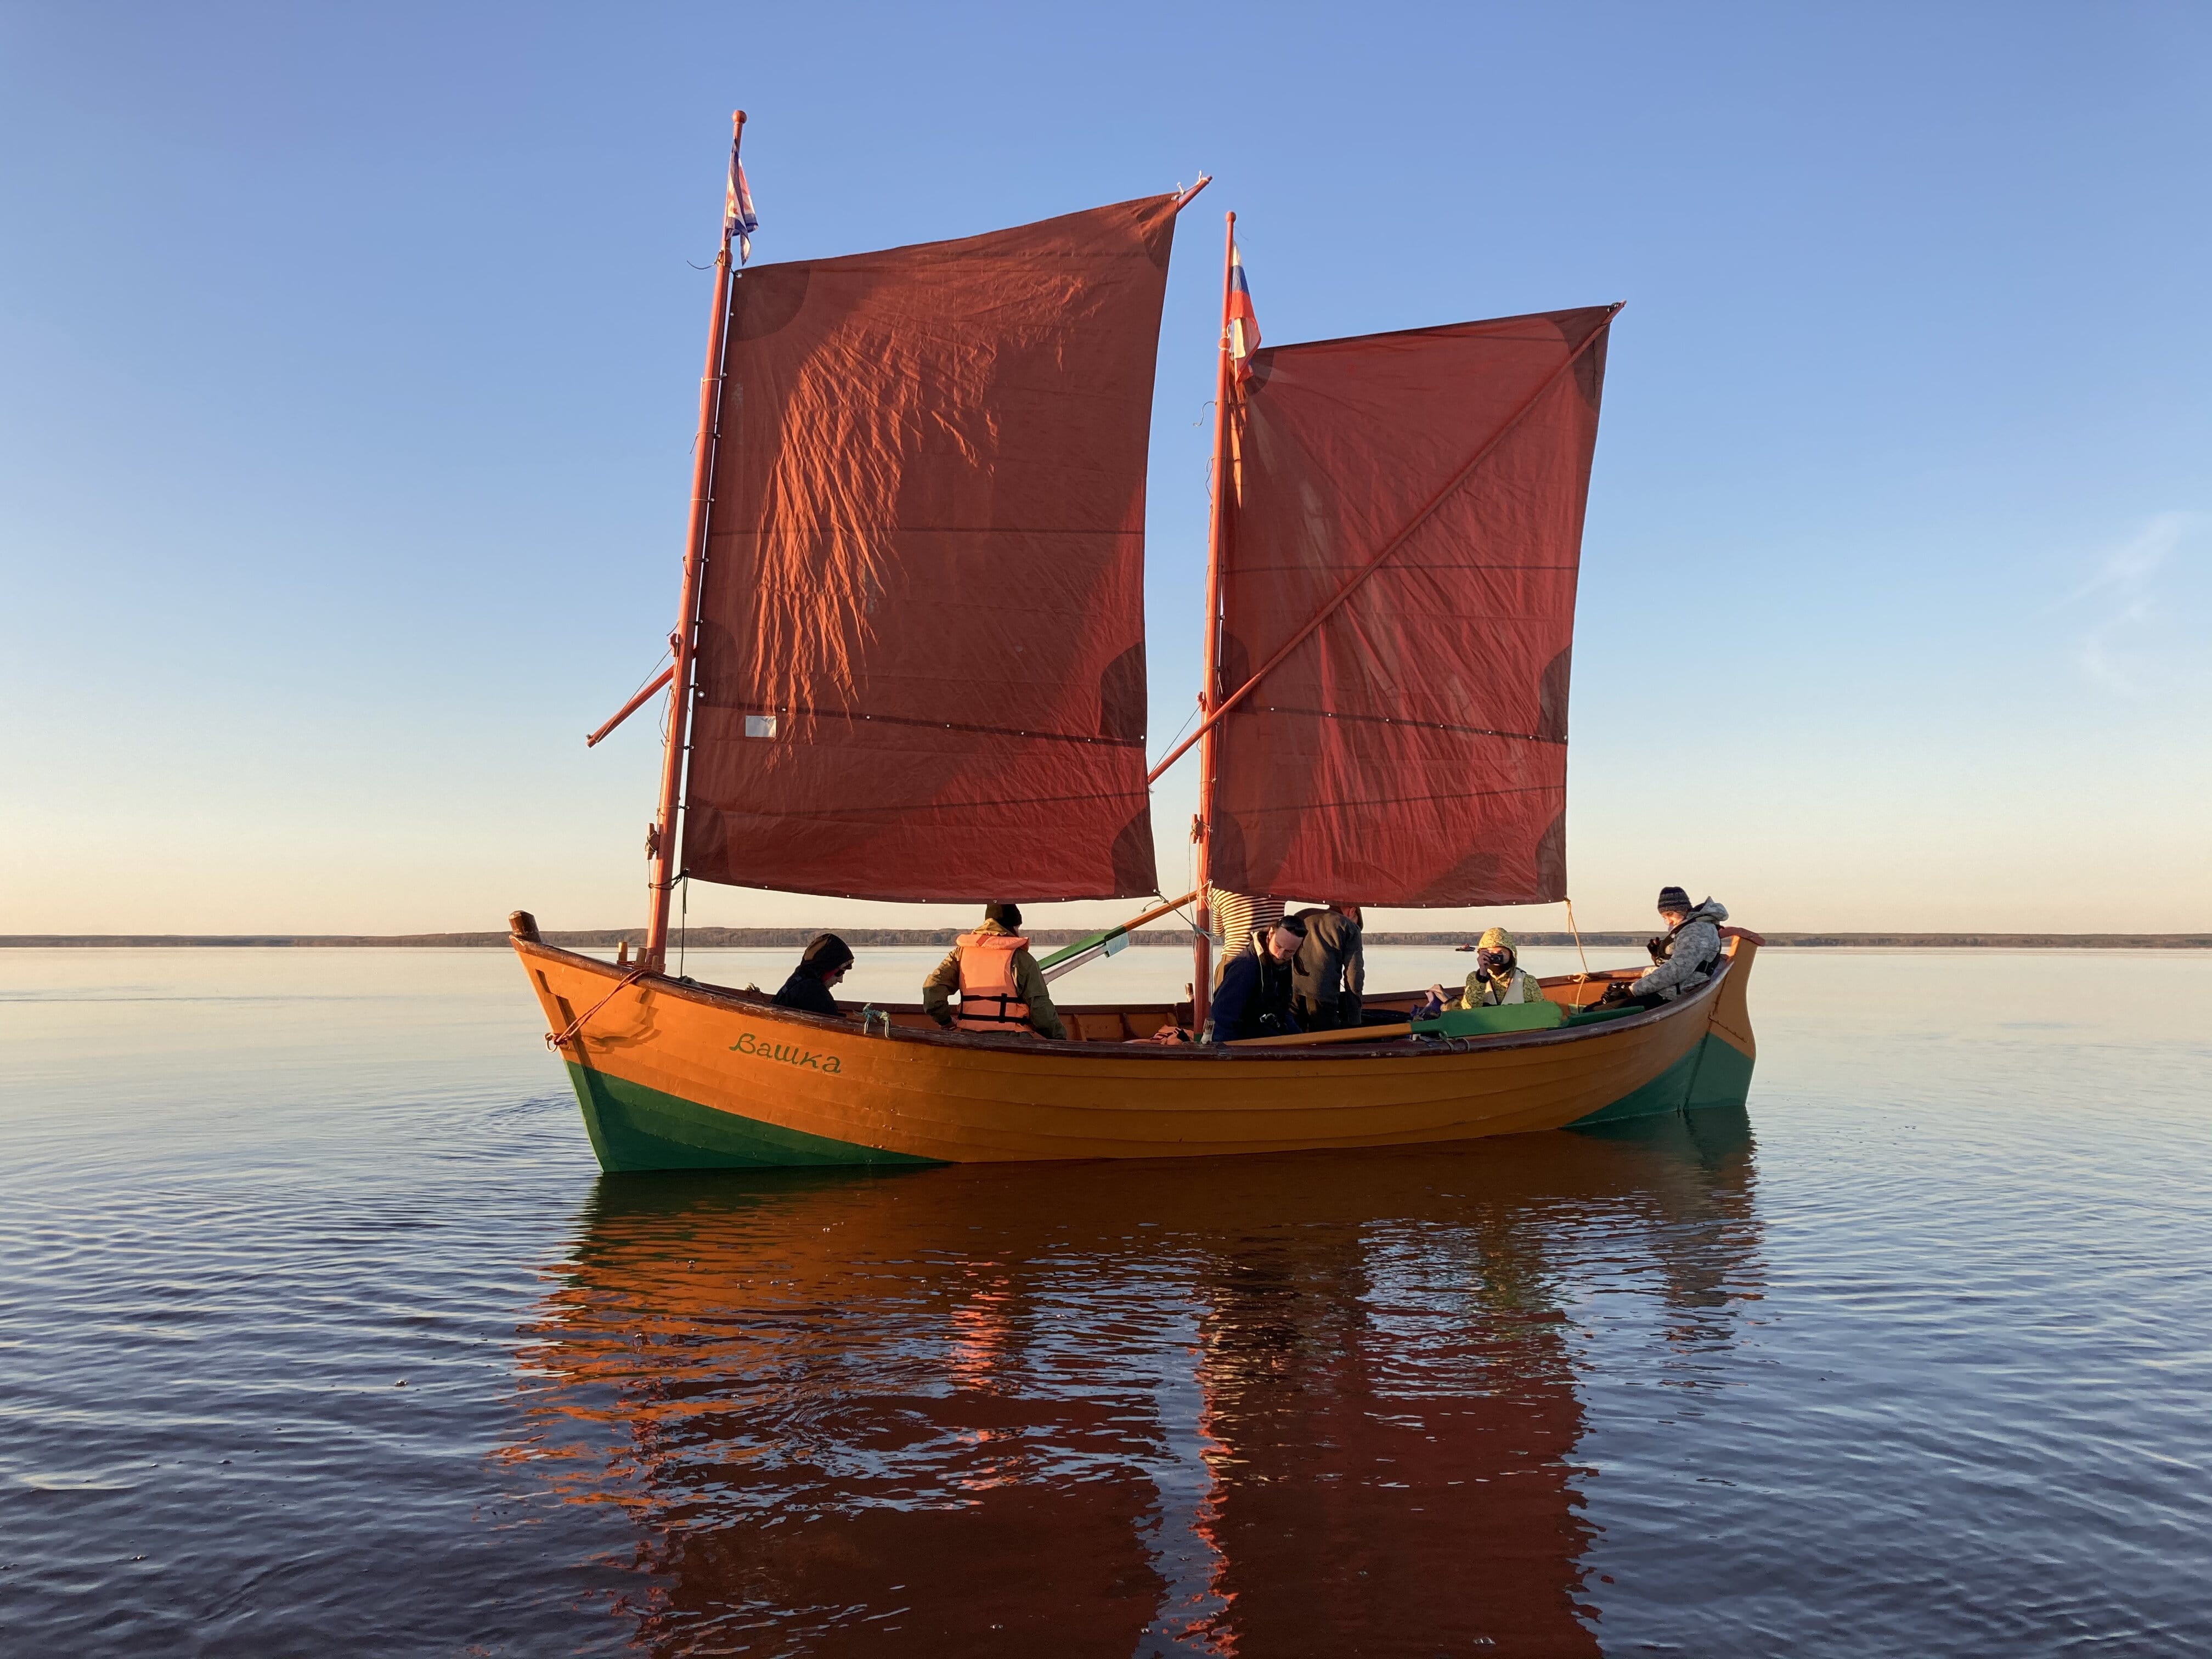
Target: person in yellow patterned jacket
{"x":1498,"y":980}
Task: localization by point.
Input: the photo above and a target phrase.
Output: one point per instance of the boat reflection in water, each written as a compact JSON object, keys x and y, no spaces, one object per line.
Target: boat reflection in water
{"x":1302,"y":1404}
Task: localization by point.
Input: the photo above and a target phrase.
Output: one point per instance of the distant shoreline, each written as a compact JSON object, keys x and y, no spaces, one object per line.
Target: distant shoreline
{"x":773,"y":939}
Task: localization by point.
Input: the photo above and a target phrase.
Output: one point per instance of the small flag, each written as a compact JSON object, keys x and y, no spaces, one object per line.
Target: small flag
{"x":1244,"y":322}
{"x":738,"y":219}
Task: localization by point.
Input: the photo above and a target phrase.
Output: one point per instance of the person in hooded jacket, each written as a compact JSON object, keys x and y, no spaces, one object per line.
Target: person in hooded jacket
{"x":1002,"y":989}
{"x":1498,"y":980}
{"x":826,"y":960}
{"x":1683,"y":957}
{"x":1259,"y":985}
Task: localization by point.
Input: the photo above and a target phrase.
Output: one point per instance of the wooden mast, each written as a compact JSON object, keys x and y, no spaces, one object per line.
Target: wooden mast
{"x":661,"y":843}
{"x":1201,"y":827}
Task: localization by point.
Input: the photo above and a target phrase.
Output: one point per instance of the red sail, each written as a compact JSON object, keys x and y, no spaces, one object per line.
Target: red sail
{"x":1412,"y":751}
{"x":921,"y":663}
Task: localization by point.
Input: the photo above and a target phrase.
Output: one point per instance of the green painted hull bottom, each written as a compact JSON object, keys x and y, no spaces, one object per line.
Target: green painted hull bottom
{"x":636,"y":1128}
{"x":1713,"y":1073}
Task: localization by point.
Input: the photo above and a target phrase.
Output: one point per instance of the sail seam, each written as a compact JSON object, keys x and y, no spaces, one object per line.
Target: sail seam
{"x":1400,"y":800}
{"x":789,"y":531}
{"x":1403,"y":569}
{"x":926,"y":726}
{"x":921,"y":809}
{"x":1397,"y":719}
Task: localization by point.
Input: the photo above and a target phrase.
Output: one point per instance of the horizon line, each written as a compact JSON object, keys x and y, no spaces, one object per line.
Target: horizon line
{"x":711,"y":938}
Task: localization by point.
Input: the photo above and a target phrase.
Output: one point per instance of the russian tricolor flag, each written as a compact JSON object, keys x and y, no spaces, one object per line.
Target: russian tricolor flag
{"x":1244,"y":322}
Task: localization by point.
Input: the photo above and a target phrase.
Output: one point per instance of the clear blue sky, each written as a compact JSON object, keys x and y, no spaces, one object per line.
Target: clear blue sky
{"x":348,"y":357}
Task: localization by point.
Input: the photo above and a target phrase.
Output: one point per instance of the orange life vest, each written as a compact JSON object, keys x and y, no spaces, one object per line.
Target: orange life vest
{"x":988,"y":999}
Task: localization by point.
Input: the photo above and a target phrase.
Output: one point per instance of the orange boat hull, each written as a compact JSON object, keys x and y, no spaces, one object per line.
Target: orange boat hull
{"x":674,"y":1075}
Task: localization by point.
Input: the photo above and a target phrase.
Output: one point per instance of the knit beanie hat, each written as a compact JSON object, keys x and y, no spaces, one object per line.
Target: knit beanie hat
{"x":1674,"y":898}
{"x":825,"y":954}
{"x":1008,"y":916}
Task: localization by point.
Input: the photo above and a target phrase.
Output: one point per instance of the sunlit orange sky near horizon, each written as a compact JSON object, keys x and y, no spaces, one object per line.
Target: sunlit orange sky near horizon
{"x":350,"y":360}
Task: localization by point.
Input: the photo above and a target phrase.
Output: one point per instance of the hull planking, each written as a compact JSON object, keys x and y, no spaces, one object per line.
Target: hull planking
{"x":673,"y":1075}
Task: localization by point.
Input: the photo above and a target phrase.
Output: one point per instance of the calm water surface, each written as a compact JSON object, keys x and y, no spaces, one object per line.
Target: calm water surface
{"x":319,"y":1333}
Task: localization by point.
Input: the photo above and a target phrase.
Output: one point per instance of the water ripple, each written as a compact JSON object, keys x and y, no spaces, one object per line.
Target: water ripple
{"x":320,"y":1335}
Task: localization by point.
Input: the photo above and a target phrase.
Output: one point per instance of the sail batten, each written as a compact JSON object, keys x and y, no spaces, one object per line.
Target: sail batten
{"x":921,"y":632}
{"x":1421,"y":494}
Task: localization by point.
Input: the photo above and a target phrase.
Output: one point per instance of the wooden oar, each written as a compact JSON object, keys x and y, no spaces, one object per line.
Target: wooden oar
{"x":1302,"y":1039}
{"x":1112,"y":942}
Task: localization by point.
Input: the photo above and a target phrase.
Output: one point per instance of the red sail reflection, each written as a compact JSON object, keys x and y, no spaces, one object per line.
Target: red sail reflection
{"x":1275,"y":1405}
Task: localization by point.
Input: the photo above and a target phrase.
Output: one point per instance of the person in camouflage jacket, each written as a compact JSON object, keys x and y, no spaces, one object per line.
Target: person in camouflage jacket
{"x":1687,"y":954}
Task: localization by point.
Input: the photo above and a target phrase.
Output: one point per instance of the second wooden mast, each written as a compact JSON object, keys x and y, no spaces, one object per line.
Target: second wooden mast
{"x":1201,"y":827}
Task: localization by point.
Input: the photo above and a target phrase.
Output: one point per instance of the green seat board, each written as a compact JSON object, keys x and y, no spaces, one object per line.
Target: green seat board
{"x":1485,"y":1022}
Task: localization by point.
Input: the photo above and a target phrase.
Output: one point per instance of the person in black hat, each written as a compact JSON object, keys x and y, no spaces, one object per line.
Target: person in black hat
{"x":1683,"y":957}
{"x":1258,"y":986}
{"x":828,"y":959}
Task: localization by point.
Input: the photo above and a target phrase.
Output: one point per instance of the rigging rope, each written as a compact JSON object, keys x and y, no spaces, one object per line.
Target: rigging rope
{"x":1177,"y":911}
{"x":651,"y":672}
{"x":1179,"y":730}
{"x":577,"y":1024}
{"x":1578,"y":932}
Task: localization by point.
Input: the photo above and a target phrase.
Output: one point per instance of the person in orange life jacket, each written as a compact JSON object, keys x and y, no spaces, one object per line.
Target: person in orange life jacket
{"x":1254,"y":996}
{"x":826,"y":960}
{"x":1002,"y":987}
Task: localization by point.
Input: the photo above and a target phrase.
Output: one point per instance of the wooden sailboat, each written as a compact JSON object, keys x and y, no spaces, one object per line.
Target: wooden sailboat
{"x":908,"y":666}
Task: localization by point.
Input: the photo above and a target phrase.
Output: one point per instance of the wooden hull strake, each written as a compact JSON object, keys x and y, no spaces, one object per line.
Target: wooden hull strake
{"x":673,"y":1075}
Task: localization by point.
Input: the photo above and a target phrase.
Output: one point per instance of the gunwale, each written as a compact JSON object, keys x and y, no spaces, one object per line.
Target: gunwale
{"x":760,"y":1005}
